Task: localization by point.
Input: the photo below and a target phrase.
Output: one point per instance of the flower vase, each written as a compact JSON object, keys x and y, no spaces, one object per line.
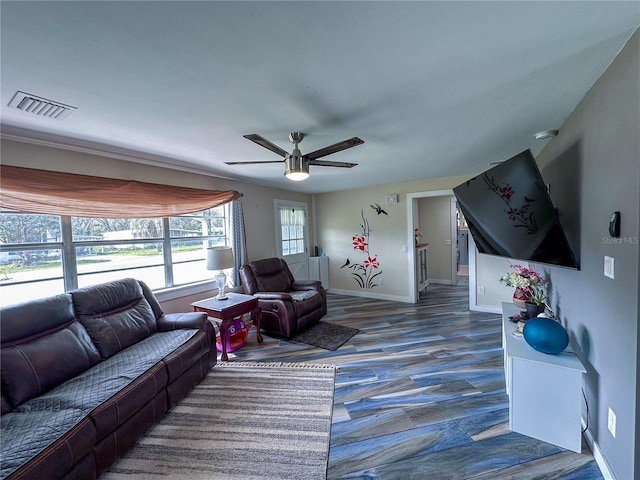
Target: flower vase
{"x":520,"y":297}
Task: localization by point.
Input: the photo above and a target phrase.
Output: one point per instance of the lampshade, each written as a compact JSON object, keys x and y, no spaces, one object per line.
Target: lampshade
{"x":296,"y":167}
{"x":219,"y":258}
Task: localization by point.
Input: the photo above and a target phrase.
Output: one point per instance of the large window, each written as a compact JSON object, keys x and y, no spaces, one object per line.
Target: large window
{"x":42,"y":255}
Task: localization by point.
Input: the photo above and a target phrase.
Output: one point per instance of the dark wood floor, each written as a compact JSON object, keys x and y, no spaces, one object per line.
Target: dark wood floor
{"x":420,"y":394}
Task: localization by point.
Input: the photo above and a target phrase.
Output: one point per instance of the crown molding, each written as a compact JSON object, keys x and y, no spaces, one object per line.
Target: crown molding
{"x":32,"y":137}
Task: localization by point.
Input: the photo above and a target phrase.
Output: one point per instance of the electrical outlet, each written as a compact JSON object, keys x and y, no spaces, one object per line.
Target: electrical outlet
{"x":609,"y":270}
{"x":611,"y":422}
{"x":480,"y":290}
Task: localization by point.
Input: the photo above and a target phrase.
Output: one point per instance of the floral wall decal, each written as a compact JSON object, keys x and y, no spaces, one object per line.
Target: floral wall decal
{"x":366,"y":272}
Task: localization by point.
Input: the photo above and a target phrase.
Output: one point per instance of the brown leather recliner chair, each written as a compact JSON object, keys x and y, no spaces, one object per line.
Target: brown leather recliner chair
{"x":288,"y":306}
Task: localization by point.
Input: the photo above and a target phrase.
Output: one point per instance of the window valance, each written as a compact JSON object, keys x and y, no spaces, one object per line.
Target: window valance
{"x":57,"y":193}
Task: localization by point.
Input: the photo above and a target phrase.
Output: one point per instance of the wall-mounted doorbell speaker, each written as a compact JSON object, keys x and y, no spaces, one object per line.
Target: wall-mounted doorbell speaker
{"x":614,"y":225}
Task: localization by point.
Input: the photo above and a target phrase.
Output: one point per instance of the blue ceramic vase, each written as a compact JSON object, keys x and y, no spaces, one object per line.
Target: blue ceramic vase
{"x":545,"y":335}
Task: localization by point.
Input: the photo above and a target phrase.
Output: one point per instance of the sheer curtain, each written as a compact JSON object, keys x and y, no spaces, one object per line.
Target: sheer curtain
{"x":56,"y":193}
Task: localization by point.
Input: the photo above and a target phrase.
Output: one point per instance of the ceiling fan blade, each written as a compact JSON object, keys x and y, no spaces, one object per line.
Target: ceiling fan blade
{"x":254,"y":162}
{"x":336,"y":147}
{"x":324,"y":163}
{"x":263,"y":142}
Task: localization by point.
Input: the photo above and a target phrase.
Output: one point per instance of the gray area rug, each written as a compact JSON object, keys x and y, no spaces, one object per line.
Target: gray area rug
{"x":245,"y":421}
{"x":329,"y":336}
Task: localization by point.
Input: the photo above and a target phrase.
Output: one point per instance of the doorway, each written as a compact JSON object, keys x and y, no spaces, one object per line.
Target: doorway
{"x":462,"y":244}
{"x":442,"y":256}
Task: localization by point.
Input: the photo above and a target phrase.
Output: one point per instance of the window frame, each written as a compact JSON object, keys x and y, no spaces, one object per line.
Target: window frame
{"x":69,"y":259}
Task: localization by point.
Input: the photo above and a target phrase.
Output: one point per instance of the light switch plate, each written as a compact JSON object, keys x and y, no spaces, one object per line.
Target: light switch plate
{"x":611,"y":422}
{"x":609,"y":270}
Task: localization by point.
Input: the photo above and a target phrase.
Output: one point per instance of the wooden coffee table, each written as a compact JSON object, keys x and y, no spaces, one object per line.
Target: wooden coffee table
{"x":224,"y":311}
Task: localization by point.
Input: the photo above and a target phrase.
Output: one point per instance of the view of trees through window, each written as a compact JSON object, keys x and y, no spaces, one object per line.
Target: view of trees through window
{"x":43,"y":255}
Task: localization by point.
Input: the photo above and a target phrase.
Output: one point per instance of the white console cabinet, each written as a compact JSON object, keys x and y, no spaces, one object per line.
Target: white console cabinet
{"x":319,"y":270}
{"x":544,"y":391}
{"x":421,"y":267}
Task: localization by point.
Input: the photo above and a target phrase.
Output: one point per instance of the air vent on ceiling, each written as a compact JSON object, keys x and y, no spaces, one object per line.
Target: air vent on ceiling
{"x":41,"y":106}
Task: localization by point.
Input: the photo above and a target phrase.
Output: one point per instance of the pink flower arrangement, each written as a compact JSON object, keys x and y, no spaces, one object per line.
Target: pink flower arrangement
{"x":528,"y":281}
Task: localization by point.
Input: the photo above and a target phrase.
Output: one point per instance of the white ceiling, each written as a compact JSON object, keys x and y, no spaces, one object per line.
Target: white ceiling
{"x":433,"y":88}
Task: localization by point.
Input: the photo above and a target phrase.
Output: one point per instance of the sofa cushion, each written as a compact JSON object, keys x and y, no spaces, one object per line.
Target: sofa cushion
{"x":102,"y":383}
{"x":19,"y":320}
{"x":115,"y":314}
{"x":35,"y":366}
{"x":37,"y":425}
{"x":181,"y":360}
{"x":306,"y":302}
{"x":278,"y":282}
{"x":27,"y":434}
{"x":22,"y":323}
{"x":267,"y":275}
{"x":123,"y":405}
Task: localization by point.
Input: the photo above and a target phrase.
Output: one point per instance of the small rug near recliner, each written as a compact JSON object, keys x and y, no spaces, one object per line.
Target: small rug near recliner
{"x":329,"y":336}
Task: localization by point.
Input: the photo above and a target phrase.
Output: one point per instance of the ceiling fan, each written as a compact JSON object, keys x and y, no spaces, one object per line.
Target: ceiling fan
{"x":296,"y":165}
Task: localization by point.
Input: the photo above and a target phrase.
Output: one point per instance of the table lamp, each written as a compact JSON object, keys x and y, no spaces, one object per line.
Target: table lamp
{"x":220,"y":258}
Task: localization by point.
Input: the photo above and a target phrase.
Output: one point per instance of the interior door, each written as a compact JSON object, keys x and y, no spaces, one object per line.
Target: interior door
{"x":292,"y":236}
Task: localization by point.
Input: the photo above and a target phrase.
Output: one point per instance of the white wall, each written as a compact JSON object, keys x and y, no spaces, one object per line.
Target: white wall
{"x":488,"y":271}
{"x":435,"y":223}
{"x":338,"y":219}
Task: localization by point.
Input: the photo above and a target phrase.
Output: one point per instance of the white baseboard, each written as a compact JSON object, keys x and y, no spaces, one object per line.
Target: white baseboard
{"x":597,"y":454}
{"x":485,"y":309}
{"x":367,"y":294}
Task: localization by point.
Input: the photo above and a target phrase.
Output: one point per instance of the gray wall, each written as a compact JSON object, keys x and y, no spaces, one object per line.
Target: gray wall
{"x":593,"y":167}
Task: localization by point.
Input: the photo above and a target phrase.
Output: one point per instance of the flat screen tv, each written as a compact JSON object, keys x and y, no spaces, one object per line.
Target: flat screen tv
{"x":510,"y":214}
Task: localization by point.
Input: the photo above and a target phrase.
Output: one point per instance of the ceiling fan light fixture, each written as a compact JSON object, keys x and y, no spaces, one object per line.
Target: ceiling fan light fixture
{"x":296,"y":165}
{"x":296,"y":168}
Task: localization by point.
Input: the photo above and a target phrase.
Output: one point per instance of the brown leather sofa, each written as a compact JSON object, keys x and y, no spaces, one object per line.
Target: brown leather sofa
{"x":288,"y":306}
{"x":86,"y":373}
